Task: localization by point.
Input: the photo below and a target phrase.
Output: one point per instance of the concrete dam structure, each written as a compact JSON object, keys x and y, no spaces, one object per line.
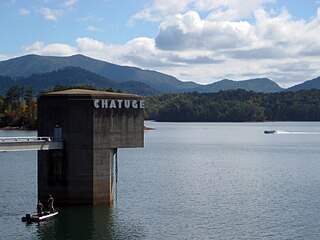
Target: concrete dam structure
{"x":92,"y":126}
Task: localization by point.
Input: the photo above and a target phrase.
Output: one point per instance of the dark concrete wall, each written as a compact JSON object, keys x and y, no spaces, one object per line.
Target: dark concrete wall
{"x":117,"y":128}
{"x":83,"y":171}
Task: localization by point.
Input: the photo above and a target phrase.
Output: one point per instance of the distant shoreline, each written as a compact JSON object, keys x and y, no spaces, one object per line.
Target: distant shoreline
{"x":30,"y":129}
{"x":16,"y":128}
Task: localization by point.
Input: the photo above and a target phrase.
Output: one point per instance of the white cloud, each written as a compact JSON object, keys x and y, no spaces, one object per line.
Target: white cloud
{"x":90,"y":18}
{"x":89,"y":44}
{"x":145,"y":14}
{"x":206,"y":50}
{"x":50,"y":14}
{"x":24,"y":12}
{"x":70,"y":3}
{"x":230,"y":9}
{"x":188,"y":31}
{"x":91,"y":28}
{"x":56,"y":49}
{"x":4,"y":57}
{"x":280,"y":34}
{"x":216,"y":9}
{"x":160,"y":8}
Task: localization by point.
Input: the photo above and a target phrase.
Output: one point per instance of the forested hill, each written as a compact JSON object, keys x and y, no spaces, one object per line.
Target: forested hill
{"x":72,"y":76}
{"x":235,"y":106}
{"x":34,"y":64}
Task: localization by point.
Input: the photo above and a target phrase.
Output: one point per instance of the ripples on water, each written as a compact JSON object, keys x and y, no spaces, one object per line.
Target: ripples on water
{"x":191,"y":181}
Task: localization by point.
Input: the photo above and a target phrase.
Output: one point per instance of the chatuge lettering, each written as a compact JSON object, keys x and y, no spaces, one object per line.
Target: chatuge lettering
{"x":118,"y":103}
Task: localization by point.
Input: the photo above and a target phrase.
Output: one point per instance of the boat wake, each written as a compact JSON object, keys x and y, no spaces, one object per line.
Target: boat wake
{"x":289,"y":132}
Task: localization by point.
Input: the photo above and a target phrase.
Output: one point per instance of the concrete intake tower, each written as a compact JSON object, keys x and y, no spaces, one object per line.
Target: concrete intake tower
{"x":92,"y":125}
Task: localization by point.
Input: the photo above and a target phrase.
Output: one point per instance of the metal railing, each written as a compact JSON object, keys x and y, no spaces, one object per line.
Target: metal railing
{"x":29,"y":143}
{"x":25,"y":139}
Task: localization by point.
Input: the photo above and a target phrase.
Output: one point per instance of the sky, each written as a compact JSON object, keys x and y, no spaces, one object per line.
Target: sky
{"x":194,"y":40}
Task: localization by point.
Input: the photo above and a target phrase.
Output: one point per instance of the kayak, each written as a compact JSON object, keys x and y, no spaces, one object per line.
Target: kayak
{"x":36,"y":218}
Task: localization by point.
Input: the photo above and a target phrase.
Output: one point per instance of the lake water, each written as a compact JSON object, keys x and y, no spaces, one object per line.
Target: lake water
{"x":190,"y":181}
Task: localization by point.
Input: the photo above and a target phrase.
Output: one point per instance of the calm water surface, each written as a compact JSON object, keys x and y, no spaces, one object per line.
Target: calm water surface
{"x":190,"y":181}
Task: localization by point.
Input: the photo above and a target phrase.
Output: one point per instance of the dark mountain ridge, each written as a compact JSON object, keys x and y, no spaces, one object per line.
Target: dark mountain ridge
{"x":34,"y":70}
{"x":26,"y":65}
{"x":257,"y":85}
{"x":72,"y":76}
{"x":309,"y":84}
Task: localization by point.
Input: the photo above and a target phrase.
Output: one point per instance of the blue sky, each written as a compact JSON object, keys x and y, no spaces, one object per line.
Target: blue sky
{"x":194,"y":40}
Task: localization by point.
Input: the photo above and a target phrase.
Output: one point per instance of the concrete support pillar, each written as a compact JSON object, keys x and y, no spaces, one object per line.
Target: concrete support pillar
{"x":103,"y":175}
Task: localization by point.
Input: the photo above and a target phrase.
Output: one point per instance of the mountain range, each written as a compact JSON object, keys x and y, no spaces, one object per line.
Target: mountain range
{"x":43,"y":72}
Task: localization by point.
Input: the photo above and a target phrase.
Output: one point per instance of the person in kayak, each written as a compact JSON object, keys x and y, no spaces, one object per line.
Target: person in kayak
{"x":50,"y":204}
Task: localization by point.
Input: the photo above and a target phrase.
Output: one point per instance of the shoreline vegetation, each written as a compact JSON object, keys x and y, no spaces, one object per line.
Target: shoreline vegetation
{"x":234,"y":106}
{"x":18,"y":108}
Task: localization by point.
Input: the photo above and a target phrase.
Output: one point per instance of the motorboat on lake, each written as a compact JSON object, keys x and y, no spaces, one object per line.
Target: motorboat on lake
{"x":36,"y":218}
{"x":270,"y":131}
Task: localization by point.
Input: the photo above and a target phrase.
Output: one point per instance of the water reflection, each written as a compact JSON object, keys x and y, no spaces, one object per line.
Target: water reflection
{"x":87,"y":222}
{"x":74,"y":223}
{"x":103,"y":222}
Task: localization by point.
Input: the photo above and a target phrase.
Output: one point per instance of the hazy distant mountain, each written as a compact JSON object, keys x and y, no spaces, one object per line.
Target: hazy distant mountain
{"x":256,"y":85}
{"x":44,"y":71}
{"x":136,"y":87}
{"x":30,"y":64}
{"x":310,"y":84}
{"x":71,"y":76}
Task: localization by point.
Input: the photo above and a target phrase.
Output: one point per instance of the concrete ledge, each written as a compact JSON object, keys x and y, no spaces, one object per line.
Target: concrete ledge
{"x":30,"y":146}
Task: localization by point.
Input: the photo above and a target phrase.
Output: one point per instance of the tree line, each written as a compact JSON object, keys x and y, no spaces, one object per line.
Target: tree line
{"x":18,"y":108}
{"x":235,"y":106}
